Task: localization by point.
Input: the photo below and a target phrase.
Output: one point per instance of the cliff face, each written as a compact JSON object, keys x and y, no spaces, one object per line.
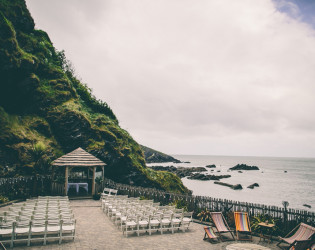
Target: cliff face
{"x":42,"y":103}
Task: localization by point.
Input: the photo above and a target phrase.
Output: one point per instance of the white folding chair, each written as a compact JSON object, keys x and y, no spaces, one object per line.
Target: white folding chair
{"x":68,"y":229}
{"x":130,"y":225}
{"x":142,"y":224}
{"x":53,"y":230}
{"x":154,"y":222}
{"x":22,"y":231}
{"x":37,"y":231}
{"x":187,"y":218}
{"x":7,"y":233}
{"x":166,"y":222}
{"x":177,"y":219}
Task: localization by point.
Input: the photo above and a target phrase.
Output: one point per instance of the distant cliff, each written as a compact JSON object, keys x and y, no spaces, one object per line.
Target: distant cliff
{"x":45,"y":111}
{"x":153,"y":156}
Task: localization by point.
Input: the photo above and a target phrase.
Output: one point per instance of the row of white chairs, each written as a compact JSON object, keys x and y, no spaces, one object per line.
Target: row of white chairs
{"x":23,"y":213}
{"x":9,"y":218}
{"x":42,"y":202}
{"x":133,"y":215}
{"x":37,"y":230}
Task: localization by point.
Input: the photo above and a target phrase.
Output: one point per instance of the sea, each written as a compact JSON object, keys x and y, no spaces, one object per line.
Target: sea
{"x":279,"y":178}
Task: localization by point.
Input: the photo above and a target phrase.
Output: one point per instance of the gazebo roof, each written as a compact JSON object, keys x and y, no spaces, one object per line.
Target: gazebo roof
{"x":78,"y":158}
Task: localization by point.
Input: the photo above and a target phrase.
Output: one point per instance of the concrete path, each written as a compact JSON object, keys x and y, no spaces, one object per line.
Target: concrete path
{"x":94,"y":230}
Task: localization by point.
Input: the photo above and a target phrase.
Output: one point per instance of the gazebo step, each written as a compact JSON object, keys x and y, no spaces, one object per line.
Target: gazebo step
{"x":80,"y":197}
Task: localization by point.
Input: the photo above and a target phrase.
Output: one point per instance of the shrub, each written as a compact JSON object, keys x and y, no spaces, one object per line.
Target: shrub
{"x":255,"y":220}
{"x":180,"y":204}
{"x":99,"y":180}
{"x":97,"y":196}
{"x":205,"y":216}
{"x":3,"y":199}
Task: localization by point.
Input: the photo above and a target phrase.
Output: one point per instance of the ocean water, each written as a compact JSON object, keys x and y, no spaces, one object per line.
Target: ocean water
{"x":297,"y":186}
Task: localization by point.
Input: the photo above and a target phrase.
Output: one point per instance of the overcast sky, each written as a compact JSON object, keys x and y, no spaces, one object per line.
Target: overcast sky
{"x":212,"y":77}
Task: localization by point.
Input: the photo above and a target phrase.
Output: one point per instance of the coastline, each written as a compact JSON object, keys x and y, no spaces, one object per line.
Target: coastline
{"x":295,"y":186}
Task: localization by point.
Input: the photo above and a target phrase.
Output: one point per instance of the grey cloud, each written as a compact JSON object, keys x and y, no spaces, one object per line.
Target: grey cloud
{"x":194,"y":76}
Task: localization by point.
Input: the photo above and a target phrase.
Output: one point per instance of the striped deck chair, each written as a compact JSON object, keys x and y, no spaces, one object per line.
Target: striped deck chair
{"x":242,"y":225}
{"x":302,"y":232}
{"x":221,"y":224}
{"x":209,"y":234}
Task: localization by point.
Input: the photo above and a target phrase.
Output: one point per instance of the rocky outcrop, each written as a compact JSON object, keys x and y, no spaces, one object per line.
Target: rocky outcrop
{"x":181,"y":172}
{"x":253,"y":185}
{"x":153,"y":156}
{"x":202,"y":177}
{"x":234,"y":187}
{"x":211,"y":166}
{"x":244,"y":167}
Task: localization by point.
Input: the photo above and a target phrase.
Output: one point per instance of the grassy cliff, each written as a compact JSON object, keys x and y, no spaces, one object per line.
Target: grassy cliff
{"x":46,"y":112}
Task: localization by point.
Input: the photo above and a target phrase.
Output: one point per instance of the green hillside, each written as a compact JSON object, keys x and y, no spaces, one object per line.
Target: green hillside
{"x":45,"y":111}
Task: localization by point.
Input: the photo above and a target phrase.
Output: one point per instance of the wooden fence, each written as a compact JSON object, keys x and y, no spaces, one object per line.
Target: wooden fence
{"x":286,"y":217}
{"x":24,"y":187}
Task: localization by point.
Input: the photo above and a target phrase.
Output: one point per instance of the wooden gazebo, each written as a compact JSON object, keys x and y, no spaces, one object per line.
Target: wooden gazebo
{"x":82,"y":159}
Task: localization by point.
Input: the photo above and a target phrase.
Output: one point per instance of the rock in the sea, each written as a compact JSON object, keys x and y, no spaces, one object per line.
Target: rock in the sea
{"x":202,"y":177}
{"x":211,"y":166}
{"x":285,"y":171}
{"x":240,"y":171}
{"x":244,"y":167}
{"x":235,"y":187}
{"x":306,"y":205}
{"x":253,"y":185}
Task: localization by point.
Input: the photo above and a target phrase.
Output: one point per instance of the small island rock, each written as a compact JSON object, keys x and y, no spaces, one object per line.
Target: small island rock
{"x":253,"y":185}
{"x":211,"y":166}
{"x":244,"y":167}
{"x":306,"y":205}
{"x":234,"y":187}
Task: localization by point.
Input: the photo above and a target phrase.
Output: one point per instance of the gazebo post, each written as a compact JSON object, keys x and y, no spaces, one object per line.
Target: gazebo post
{"x":52,"y":180}
{"x":93,"y":181}
{"x":66,"y":181}
{"x":103,"y":173}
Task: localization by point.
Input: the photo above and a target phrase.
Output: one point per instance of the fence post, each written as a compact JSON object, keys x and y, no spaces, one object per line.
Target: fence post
{"x":285,"y":214}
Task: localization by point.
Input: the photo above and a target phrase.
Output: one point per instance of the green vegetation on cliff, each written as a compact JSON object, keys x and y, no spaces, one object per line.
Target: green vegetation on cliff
{"x":44,"y":106}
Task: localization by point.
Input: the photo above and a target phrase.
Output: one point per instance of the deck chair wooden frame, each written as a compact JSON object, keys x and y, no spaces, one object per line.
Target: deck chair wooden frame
{"x":301,"y":232}
{"x":242,"y":225}
{"x":221,"y":224}
{"x":303,"y":244}
{"x":2,"y":246}
{"x":209,"y":234}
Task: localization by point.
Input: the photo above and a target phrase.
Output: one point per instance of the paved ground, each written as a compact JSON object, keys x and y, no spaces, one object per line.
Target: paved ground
{"x":94,"y":230}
